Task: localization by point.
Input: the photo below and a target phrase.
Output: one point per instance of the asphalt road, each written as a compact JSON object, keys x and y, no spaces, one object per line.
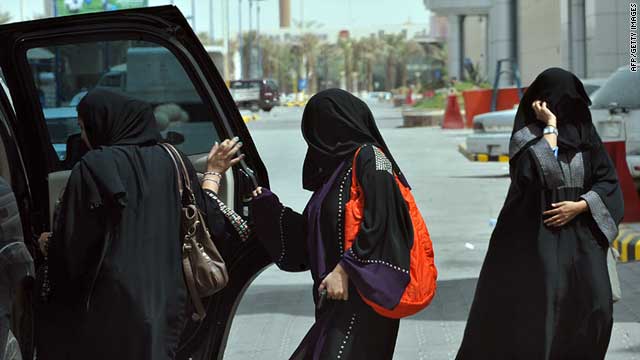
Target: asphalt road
{"x":459,"y":200}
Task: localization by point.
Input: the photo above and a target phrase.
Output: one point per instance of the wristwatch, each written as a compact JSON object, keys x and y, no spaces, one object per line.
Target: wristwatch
{"x":550,"y":130}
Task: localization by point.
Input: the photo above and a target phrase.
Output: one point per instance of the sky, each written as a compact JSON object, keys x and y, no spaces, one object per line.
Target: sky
{"x":331,"y":14}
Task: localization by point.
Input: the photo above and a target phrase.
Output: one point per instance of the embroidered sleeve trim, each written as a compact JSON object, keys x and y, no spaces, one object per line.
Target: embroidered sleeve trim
{"x":551,"y":170}
{"x":522,"y":137}
{"x":239,"y":224}
{"x":372,"y":261}
{"x":601,"y":215}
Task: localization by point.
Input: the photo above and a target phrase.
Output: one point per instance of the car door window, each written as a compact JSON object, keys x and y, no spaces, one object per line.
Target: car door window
{"x":144,"y":70}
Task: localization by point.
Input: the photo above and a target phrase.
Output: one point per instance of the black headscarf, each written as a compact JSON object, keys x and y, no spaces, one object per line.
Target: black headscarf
{"x":335,"y":124}
{"x":567,"y":99}
{"x":112,"y":119}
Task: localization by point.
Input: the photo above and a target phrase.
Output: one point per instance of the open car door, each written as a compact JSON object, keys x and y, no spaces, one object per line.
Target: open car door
{"x":151,"y":54}
{"x":16,"y":264}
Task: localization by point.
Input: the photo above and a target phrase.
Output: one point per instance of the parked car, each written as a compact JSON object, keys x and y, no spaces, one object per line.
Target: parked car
{"x":255,"y":94}
{"x":492,"y":131}
{"x":615,"y":110}
{"x":29,"y":133}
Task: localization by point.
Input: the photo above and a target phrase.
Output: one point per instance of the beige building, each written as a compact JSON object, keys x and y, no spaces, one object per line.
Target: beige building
{"x":588,"y":37}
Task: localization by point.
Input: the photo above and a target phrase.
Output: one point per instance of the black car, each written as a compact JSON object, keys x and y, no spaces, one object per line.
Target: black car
{"x":73,"y":53}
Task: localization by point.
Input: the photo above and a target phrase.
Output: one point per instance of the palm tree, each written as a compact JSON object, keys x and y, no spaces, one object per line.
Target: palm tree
{"x":347,"y":52}
{"x":392,"y":43}
{"x":408,"y":50}
{"x":309,"y":44}
{"x":371,"y":51}
{"x":248,"y":43}
{"x":5,"y":17}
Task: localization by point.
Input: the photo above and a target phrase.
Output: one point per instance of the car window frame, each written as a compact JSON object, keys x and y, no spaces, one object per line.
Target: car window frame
{"x":218,"y":100}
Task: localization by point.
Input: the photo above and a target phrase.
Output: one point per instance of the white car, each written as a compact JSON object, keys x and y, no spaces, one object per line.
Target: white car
{"x":615,"y":111}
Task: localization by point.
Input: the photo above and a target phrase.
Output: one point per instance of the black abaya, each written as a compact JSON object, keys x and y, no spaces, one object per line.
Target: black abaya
{"x":335,"y":125}
{"x":544,"y":293}
{"x":116,"y":283}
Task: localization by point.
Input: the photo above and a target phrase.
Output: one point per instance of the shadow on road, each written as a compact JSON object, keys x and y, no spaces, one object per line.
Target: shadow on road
{"x":452,"y":302}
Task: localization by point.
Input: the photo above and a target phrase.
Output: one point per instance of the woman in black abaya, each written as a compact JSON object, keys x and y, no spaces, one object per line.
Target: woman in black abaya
{"x":544,"y":290}
{"x":335,"y":125}
{"x":114,"y":287}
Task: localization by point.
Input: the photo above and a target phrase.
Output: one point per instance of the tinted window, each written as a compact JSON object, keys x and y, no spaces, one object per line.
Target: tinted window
{"x":143,"y":70}
{"x":623,"y":88}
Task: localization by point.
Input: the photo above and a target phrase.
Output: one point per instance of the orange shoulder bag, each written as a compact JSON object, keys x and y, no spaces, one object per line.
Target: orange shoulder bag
{"x":423,"y":273}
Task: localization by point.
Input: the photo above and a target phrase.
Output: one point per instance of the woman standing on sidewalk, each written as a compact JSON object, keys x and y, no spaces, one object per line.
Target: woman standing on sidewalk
{"x":544,"y":290}
{"x":337,"y":126}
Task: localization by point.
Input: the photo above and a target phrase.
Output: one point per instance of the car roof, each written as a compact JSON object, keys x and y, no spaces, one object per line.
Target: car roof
{"x":499,"y":113}
{"x":60,"y":113}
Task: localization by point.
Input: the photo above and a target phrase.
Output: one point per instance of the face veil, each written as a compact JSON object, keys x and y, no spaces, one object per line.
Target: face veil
{"x":567,"y":99}
{"x":335,"y":124}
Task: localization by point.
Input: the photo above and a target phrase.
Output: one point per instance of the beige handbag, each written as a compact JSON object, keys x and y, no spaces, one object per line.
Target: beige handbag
{"x":205,"y":272}
{"x":612,"y":259}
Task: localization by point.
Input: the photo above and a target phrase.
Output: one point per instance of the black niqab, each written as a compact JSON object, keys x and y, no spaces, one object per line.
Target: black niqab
{"x":112,"y":119}
{"x":567,"y":99}
{"x":335,"y":124}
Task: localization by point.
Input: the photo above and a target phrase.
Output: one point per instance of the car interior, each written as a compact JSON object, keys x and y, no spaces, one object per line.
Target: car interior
{"x":154,"y":76}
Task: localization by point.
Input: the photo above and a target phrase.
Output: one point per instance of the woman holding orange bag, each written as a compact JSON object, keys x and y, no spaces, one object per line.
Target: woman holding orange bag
{"x":361,"y":234}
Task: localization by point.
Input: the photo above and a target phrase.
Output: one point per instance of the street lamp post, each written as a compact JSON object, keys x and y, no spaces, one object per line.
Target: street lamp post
{"x":211,"y":35}
{"x":240,"y":49}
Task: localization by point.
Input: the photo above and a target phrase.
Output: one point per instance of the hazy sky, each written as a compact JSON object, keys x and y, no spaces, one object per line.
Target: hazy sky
{"x":332,"y":14}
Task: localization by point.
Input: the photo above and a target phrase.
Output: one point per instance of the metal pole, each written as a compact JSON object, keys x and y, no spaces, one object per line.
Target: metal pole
{"x":250,"y":44}
{"x":259,"y":65}
{"x":211,"y":35}
{"x":250,"y":15}
{"x":193,"y":15}
{"x":227,"y":45}
{"x":240,"y":50}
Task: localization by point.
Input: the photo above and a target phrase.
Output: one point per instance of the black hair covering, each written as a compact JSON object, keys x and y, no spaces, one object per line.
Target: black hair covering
{"x":567,"y":99}
{"x":335,"y":124}
{"x":113,"y":119}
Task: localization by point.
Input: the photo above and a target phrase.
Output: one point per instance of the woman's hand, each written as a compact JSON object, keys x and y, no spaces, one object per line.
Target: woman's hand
{"x":563,"y":212}
{"x":43,"y":242}
{"x":222,"y":156}
{"x":544,"y":114}
{"x":257,"y":192}
{"x":337,"y":284}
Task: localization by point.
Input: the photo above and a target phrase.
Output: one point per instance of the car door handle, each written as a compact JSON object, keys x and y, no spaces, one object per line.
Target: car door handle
{"x":248,"y":173}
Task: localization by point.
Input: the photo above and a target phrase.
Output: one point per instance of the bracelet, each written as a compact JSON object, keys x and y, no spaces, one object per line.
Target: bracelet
{"x":213,"y":173}
{"x":550,"y":130}
{"x":212,"y":180}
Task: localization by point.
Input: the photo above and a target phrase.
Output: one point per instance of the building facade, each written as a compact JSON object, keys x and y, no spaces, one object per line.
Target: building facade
{"x":587,"y":37}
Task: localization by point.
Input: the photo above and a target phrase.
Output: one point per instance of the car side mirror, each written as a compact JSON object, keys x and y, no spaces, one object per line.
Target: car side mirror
{"x":174,"y":138}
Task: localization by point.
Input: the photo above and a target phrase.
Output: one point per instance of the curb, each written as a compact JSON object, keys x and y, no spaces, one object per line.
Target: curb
{"x":628,"y":243}
{"x":250,"y":118}
{"x":296,"y":103}
{"x":480,"y":157}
